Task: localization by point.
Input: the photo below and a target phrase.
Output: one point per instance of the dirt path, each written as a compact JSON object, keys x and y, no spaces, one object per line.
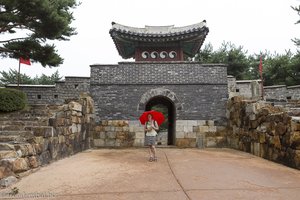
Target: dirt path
{"x":179,"y":174}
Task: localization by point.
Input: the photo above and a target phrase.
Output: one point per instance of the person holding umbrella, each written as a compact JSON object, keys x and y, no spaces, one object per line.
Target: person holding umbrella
{"x":151,"y":119}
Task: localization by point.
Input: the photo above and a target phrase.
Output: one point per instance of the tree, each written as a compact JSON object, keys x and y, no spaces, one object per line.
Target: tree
{"x":282,"y":69}
{"x":11,"y":77}
{"x":228,"y":53}
{"x":30,"y":24}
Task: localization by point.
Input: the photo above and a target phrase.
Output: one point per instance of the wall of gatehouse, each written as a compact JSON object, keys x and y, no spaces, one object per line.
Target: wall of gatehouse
{"x":201,"y":90}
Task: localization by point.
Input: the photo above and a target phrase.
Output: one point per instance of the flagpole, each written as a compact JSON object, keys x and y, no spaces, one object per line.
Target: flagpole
{"x":19,"y":74}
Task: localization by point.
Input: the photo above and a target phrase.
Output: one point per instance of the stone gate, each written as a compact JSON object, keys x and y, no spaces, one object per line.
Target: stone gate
{"x":194,"y":93}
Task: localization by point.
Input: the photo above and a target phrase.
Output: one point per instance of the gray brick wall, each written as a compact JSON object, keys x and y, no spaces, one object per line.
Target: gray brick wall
{"x":159,"y":73}
{"x":201,"y":89}
{"x":70,"y":88}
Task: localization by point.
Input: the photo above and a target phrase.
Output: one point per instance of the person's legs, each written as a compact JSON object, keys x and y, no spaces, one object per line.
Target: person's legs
{"x":151,"y":157}
{"x":154,"y":152}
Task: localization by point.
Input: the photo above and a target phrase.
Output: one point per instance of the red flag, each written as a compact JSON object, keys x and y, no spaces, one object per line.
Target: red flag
{"x":25,"y":61}
{"x":260,"y":68}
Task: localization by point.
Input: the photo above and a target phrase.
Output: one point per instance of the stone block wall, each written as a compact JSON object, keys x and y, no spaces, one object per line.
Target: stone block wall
{"x":200,"y":134}
{"x":293,"y":92}
{"x":189,"y":133}
{"x":264,"y":130}
{"x":70,"y":88}
{"x":29,"y":139}
{"x":275,"y":93}
{"x":118,"y":133}
{"x":201,"y":90}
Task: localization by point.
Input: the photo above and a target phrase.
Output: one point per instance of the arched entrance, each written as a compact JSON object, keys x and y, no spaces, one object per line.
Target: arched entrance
{"x":166,"y":106}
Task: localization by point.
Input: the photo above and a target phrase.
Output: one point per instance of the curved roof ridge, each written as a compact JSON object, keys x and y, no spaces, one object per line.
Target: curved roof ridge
{"x":157,"y":29}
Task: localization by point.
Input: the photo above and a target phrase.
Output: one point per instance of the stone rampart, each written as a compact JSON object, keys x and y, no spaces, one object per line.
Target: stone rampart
{"x":264,"y":130}
{"x":33,"y":138}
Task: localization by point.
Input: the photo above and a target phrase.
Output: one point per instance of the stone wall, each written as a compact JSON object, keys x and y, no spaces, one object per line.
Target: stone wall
{"x":70,"y":88}
{"x":201,"y":90}
{"x":264,"y":130}
{"x":29,"y":139}
{"x":275,"y":93}
{"x":189,"y":133}
{"x":293,"y":92}
{"x":200,"y":134}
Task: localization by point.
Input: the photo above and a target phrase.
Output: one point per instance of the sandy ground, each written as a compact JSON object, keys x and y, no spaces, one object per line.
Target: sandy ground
{"x":178,"y":174}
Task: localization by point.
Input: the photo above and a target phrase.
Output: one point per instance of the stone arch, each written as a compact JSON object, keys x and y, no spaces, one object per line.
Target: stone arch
{"x":159,"y":92}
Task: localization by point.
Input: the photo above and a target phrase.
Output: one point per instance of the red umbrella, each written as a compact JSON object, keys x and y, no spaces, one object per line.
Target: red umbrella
{"x":157,"y":116}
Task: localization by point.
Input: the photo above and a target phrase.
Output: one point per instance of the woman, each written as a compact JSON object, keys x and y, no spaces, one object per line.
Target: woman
{"x":151,"y":127}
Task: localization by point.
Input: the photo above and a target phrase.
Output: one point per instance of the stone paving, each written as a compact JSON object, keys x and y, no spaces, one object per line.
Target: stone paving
{"x":179,"y":174}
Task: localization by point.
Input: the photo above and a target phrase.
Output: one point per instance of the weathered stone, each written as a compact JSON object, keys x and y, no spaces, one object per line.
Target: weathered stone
{"x":26,"y":149}
{"x":212,"y":129}
{"x":111,"y":134}
{"x":43,"y":131}
{"x":8,"y":154}
{"x":138,"y":142}
{"x":74,"y":119}
{"x":295,"y":140}
{"x":8,"y":181}
{"x":297,"y":159}
{"x":61,"y":139}
{"x":6,"y":147}
{"x":119,"y":135}
{"x":110,"y":142}
{"x":6,"y":168}
{"x":186,"y":142}
{"x":34,"y":162}
{"x":276,"y":142}
{"x":190,"y":135}
{"x":295,"y":126}
{"x":60,"y":121}
{"x":262,"y":138}
{"x":20,"y":165}
{"x":280,"y":128}
{"x":53,"y":147}
{"x":99,"y":142}
{"x":254,"y":124}
{"x":203,"y":129}
{"x":99,"y":128}
{"x":45,"y":158}
{"x":75,"y":106}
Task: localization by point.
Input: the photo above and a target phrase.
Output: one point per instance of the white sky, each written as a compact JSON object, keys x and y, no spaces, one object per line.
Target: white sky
{"x":257,"y":25}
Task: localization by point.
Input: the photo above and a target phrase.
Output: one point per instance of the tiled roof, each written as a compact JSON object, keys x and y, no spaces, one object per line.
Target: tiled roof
{"x":157,"y":31}
{"x":125,"y":37}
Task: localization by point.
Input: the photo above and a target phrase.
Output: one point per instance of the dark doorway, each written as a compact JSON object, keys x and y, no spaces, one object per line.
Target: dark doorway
{"x":165,"y":104}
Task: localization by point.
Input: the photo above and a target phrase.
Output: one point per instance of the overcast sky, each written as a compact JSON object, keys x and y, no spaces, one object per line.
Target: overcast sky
{"x":257,"y":25}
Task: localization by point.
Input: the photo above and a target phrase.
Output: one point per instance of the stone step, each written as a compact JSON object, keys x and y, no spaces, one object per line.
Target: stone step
{"x":43,"y":122}
{"x":8,"y":154}
{"x":22,"y":133}
{"x":5,"y":146}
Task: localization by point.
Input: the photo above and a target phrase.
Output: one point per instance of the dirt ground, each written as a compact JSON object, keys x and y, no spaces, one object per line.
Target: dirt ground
{"x":179,"y":174}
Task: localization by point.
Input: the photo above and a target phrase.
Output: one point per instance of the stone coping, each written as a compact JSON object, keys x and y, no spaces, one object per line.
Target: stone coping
{"x":274,"y":86}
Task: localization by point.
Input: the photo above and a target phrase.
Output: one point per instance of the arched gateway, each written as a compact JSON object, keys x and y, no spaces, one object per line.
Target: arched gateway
{"x":168,"y":99}
{"x":192,"y":93}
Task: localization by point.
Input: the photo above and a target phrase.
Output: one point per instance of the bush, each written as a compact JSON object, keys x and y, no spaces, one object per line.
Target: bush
{"x":12,"y":100}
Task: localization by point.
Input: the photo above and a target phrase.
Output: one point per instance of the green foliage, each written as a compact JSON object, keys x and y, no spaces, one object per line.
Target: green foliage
{"x":164,"y":110}
{"x":277,"y":68}
{"x":12,"y":100}
{"x":39,"y":21}
{"x":228,"y":53}
{"x":11,"y":77}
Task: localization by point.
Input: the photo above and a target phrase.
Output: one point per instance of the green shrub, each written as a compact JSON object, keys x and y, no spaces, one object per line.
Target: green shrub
{"x":12,"y":100}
